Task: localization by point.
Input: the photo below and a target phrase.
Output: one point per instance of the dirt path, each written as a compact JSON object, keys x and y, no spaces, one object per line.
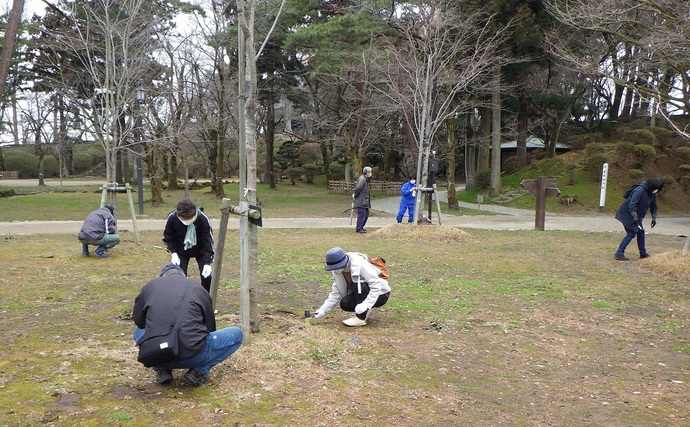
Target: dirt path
{"x":382,"y":209}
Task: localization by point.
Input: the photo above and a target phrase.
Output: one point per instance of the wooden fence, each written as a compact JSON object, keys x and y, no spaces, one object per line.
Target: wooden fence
{"x":379,"y":188}
{"x":9,"y":174}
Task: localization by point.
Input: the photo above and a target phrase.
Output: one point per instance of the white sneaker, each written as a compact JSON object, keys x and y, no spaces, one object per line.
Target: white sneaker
{"x":354,"y":321}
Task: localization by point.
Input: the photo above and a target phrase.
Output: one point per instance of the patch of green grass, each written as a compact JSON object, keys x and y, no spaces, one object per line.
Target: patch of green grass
{"x":120,"y":417}
{"x":673,"y":325}
{"x":603,"y":304}
{"x":324,"y":352}
{"x":75,"y":202}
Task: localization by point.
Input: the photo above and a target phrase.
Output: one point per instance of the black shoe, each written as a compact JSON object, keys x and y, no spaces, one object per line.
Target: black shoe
{"x":164,"y":377}
{"x":622,"y":258}
{"x":361,"y":231}
{"x":644,"y":255}
{"x":100,"y":251}
{"x":195,"y":377}
{"x":84,"y":249}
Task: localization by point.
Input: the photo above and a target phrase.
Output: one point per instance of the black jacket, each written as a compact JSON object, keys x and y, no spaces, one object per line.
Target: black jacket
{"x":175,"y":231}
{"x":641,"y":199}
{"x":159,"y":302}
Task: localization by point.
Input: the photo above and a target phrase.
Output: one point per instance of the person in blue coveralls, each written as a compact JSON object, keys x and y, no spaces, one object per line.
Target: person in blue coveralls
{"x":407,"y":197}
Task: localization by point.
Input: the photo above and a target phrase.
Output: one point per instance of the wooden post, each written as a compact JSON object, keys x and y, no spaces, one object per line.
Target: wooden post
{"x":541,"y":188}
{"x":131,"y":212}
{"x":244,"y":269}
{"x":540,"y":212}
{"x":220,"y":247}
{"x":438,"y":205}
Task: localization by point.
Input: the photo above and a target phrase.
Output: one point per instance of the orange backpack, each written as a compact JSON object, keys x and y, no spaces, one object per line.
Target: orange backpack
{"x":380,"y":263}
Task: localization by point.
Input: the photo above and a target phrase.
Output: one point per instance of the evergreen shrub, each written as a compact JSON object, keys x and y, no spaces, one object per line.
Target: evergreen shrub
{"x":624,"y":149}
{"x":336,"y":171}
{"x":483,"y":180}
{"x":639,"y":136}
{"x":636,"y":174}
{"x":643,"y":153}
{"x":683,"y":152}
{"x":24,"y":163}
{"x":82,"y":162}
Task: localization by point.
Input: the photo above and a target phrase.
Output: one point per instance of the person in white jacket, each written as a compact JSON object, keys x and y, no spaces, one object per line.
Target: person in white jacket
{"x":356,"y":286}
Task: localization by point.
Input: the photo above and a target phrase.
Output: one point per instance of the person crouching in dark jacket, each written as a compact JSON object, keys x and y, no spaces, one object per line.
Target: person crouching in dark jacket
{"x":201,"y":346}
{"x":632,"y":211}
{"x":99,"y":229}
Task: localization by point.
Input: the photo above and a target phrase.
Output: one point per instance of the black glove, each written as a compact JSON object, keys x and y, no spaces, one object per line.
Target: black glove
{"x":635,"y":222}
{"x":653,"y":223}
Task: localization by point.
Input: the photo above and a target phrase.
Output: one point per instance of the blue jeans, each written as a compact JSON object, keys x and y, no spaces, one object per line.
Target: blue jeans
{"x":219,"y":346}
{"x":632,"y":233}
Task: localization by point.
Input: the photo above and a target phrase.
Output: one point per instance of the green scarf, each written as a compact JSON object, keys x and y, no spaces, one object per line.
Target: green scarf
{"x":190,"y":237}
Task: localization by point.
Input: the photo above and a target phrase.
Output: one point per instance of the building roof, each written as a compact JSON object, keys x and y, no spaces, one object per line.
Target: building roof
{"x":533,"y":143}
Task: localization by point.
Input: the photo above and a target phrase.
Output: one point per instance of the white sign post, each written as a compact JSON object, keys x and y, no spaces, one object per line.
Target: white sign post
{"x":604,"y":177}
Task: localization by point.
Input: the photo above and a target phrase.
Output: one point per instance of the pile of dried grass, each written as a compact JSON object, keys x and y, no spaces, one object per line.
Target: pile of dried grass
{"x":422,"y":233}
{"x":669,"y":264}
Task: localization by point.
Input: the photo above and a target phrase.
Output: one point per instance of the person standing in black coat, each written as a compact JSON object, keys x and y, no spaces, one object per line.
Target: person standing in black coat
{"x":201,"y":346}
{"x":187,"y":235}
{"x":362,"y":199}
{"x":641,"y":198}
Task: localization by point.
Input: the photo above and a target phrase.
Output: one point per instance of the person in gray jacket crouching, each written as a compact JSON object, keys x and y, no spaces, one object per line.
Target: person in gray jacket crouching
{"x":99,"y":230}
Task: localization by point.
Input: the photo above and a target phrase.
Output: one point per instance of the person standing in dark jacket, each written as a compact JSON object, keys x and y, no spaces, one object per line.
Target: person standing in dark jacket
{"x":99,"y":230}
{"x":632,"y":211}
{"x":201,"y":346}
{"x":187,"y":235}
{"x":362,"y":200}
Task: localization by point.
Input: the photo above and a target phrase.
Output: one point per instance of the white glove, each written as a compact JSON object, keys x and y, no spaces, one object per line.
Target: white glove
{"x":360,"y":308}
{"x":319,"y":313}
{"x":206,"y":271}
{"x":175,"y":259}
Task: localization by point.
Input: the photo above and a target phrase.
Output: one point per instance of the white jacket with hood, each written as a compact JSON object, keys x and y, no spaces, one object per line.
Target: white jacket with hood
{"x":360,"y":271}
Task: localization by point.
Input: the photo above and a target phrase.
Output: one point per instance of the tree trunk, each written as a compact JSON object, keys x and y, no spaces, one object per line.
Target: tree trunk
{"x":496,"y":133}
{"x":522,"y":136}
{"x":450,"y":173}
{"x":484,"y":139}
{"x":171,"y":170}
{"x":270,"y":176}
{"x":11,"y":28}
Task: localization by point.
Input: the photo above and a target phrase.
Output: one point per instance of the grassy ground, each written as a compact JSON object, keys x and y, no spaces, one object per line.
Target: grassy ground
{"x":482,"y":329}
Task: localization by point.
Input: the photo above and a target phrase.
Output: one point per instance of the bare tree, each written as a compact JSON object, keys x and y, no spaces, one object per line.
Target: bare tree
{"x":646,"y":39}
{"x":439,"y":52}
{"x":248,"y":52}
{"x":113,"y":41}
